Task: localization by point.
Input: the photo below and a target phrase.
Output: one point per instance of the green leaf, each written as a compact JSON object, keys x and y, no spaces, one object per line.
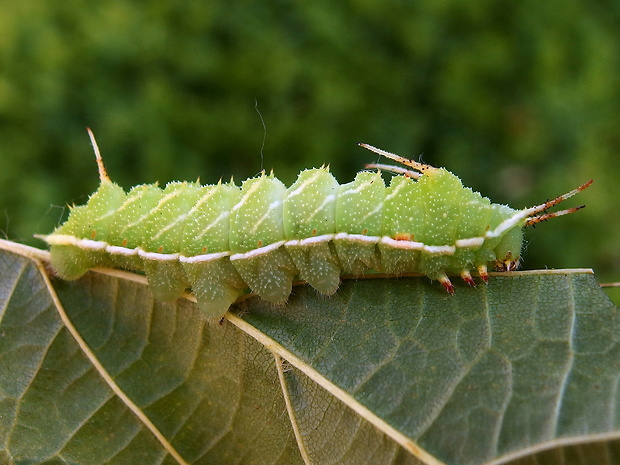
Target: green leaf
{"x":388,"y":371}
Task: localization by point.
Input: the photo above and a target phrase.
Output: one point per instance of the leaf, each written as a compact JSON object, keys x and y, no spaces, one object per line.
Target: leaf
{"x":387,"y":371}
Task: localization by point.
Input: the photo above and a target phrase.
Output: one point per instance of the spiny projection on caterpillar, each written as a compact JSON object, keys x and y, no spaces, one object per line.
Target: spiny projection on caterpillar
{"x":219,"y":240}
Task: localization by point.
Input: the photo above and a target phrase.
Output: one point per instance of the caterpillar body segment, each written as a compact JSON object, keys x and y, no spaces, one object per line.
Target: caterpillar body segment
{"x":222,"y":239}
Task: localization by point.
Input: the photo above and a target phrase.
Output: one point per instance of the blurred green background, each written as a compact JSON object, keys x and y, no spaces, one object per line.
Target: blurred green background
{"x":520,"y":99}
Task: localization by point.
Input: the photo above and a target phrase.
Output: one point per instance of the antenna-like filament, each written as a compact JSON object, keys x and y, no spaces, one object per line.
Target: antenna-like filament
{"x":533,"y":218}
{"x":103,"y":174}
{"x":421,"y":167}
{"x":393,"y":169}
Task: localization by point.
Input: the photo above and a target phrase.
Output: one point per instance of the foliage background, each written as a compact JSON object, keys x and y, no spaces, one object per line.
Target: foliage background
{"x":520,"y":99}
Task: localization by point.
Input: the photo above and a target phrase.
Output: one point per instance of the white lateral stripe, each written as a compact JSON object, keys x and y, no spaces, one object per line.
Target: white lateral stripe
{"x":164,"y":257}
{"x":406,"y":245}
{"x":359,"y":238}
{"x":60,"y":239}
{"x":209,"y":257}
{"x":471,"y":242}
{"x":88,"y":244}
{"x":92,"y":245}
{"x":412,"y":245}
{"x":507,"y":224}
{"x":316,"y":239}
{"x":310,"y":240}
{"x":116,"y":250}
{"x":257,"y":252}
{"x":440,"y":249}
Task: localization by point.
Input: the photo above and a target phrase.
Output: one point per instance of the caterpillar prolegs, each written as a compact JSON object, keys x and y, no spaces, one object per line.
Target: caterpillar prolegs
{"x":219,"y":240}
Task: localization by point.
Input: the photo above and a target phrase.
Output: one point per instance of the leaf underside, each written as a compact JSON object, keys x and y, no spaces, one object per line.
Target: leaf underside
{"x":387,"y":371}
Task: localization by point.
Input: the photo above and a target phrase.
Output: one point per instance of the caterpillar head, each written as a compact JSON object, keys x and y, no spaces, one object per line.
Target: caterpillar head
{"x":508,"y":251}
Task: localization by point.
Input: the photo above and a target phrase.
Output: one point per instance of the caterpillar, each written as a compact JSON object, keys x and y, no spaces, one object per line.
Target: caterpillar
{"x":219,"y":240}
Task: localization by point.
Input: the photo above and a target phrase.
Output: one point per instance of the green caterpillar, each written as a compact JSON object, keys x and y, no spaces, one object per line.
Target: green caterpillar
{"x":219,"y":240}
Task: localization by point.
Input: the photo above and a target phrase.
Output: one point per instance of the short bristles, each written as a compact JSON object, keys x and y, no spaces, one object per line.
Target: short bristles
{"x":511,"y":265}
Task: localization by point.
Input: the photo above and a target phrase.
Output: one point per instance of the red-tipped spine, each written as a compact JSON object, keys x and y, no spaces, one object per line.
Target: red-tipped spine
{"x":468,"y":278}
{"x":482,"y":271}
{"x":447,"y":284}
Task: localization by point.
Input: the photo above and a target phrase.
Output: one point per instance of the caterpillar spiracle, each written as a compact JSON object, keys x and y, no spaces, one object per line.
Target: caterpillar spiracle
{"x":219,"y":240}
